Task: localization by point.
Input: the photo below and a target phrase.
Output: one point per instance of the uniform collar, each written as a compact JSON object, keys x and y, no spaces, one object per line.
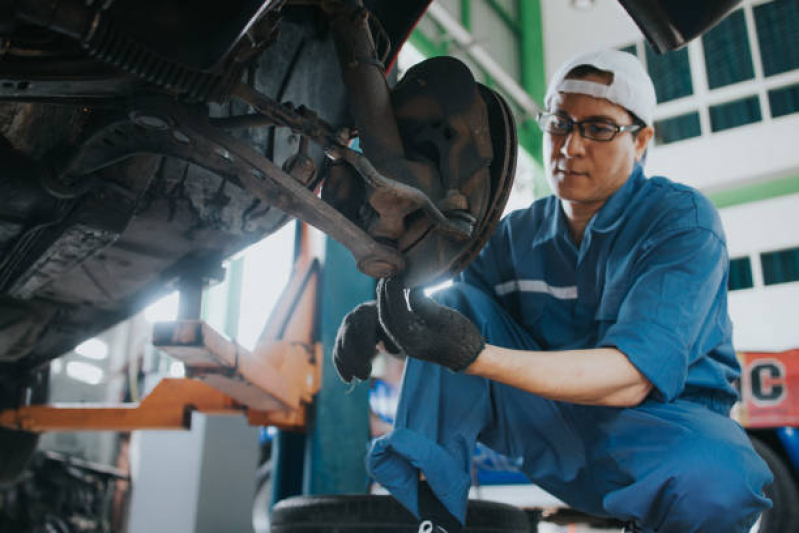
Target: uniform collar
{"x":606,"y":219}
{"x":613,"y":212}
{"x":554,"y":221}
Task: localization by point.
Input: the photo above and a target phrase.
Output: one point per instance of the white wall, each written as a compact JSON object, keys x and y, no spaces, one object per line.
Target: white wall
{"x":568,"y":31}
{"x":762,"y":226}
{"x":764,"y":318}
{"x":747,"y":154}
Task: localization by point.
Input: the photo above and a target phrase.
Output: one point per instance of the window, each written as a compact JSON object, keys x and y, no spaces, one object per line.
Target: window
{"x":728,"y":58}
{"x":735,"y":82}
{"x":784,"y":101}
{"x":740,"y":274}
{"x":734,"y":114}
{"x":671,"y":74}
{"x":777,"y":33}
{"x":677,"y":128}
{"x":781,"y":266}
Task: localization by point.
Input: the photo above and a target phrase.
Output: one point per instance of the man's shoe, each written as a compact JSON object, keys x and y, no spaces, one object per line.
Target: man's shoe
{"x":631,"y":527}
{"x":427,"y":526}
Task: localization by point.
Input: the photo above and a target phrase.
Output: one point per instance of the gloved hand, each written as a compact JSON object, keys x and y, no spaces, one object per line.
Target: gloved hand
{"x":356,"y":342}
{"x":427,"y":330}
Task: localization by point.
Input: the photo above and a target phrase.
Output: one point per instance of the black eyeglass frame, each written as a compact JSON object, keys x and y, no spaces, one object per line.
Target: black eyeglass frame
{"x":581,"y":126}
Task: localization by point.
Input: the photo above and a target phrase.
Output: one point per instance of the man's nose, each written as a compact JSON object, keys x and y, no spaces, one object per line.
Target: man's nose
{"x":574,"y":144}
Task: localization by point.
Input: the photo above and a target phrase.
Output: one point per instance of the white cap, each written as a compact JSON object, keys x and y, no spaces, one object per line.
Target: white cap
{"x":631,"y":87}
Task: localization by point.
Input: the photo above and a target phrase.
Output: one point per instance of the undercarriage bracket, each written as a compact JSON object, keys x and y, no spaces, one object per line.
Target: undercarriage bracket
{"x":272,"y":385}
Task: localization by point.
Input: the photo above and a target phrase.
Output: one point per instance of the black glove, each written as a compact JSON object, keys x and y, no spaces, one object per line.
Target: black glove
{"x":356,"y":342}
{"x":427,"y":330}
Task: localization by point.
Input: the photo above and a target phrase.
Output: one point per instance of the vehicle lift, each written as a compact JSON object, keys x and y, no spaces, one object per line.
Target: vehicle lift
{"x":272,"y":385}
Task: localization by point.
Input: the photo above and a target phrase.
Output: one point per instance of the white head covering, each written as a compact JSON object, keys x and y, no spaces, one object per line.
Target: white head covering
{"x":631,"y":87}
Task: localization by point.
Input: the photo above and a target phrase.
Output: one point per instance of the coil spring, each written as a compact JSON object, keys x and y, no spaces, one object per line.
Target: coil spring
{"x":111,"y":47}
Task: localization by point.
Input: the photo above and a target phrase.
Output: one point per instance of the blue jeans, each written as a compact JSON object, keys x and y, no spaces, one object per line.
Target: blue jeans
{"x":671,"y":467}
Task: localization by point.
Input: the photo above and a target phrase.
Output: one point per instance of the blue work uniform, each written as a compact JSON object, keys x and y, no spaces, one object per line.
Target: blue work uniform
{"x":648,"y":278}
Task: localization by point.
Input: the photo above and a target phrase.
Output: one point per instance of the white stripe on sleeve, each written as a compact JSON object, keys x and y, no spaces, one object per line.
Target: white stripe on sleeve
{"x":536,"y":285}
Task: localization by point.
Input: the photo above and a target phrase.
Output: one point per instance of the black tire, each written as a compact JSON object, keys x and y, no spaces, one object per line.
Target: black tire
{"x":382,"y":514}
{"x":784,"y":492}
{"x":17,"y":447}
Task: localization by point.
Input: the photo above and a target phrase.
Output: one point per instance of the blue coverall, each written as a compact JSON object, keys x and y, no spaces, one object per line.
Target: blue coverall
{"x":649,"y":278}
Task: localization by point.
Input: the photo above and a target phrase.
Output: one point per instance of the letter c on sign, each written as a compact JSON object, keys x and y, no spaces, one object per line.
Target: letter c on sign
{"x":767,"y":379}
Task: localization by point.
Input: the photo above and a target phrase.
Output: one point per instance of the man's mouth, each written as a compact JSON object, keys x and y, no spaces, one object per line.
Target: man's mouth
{"x":569,"y":171}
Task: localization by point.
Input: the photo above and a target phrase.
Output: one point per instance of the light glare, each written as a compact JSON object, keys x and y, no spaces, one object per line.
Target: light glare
{"x":93,"y":349}
{"x":85,"y":372}
{"x":164,"y":310}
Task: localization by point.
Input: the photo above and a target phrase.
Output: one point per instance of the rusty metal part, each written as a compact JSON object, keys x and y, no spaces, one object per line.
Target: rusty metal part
{"x":502,"y":170}
{"x":399,"y":200}
{"x":163,"y":127}
{"x":364,"y":77}
{"x":301,"y":120}
{"x":426,"y":146}
{"x":300,"y":166}
{"x":424,"y":184}
{"x":484,"y":184}
{"x":373,"y":112}
{"x":460,"y":149}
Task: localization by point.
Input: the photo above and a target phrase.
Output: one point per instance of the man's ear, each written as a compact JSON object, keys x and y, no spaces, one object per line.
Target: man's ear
{"x":642,"y":140}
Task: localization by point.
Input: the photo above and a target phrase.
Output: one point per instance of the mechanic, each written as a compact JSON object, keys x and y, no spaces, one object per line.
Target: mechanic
{"x":590,"y":338}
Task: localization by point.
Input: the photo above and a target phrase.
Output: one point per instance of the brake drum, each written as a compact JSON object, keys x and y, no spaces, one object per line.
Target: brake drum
{"x":464,"y":132}
{"x":459,"y":143}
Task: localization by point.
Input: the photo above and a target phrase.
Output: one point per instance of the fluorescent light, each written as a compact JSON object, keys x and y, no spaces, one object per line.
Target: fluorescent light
{"x":177,"y":369}
{"x":583,"y":5}
{"x":93,"y":349}
{"x":85,"y":372}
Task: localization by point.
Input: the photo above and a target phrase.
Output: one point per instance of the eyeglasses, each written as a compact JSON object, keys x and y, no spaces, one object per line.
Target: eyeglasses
{"x":593,"y":129}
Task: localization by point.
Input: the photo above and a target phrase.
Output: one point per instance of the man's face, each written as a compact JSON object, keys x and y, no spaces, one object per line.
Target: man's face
{"x":585,"y":171}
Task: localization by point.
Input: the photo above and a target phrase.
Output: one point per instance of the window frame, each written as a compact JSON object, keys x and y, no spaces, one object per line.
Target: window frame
{"x":703,"y":98}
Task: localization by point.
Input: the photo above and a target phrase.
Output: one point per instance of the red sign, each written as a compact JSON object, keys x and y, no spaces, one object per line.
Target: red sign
{"x":769,"y":389}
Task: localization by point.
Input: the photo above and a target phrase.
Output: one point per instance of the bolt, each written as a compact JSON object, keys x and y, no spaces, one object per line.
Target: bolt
{"x":378,"y":268}
{"x":150,"y":122}
{"x":181,"y":137}
{"x":224,"y":154}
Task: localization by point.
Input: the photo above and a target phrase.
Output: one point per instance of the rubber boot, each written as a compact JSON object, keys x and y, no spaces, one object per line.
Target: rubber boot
{"x":434,"y":516}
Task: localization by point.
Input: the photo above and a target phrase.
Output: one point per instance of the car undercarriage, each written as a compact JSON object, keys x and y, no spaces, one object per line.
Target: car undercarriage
{"x":144,"y":142}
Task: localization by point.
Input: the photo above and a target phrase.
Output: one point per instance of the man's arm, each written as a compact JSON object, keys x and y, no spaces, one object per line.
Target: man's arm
{"x":599,"y":376}
{"x":425,"y":330}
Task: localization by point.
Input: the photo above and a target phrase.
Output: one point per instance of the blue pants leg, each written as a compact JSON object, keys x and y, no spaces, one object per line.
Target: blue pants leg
{"x":675,"y":467}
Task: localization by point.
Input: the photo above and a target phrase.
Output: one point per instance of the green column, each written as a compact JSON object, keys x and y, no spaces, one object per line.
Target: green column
{"x":339,"y":431}
{"x":533,"y":80}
